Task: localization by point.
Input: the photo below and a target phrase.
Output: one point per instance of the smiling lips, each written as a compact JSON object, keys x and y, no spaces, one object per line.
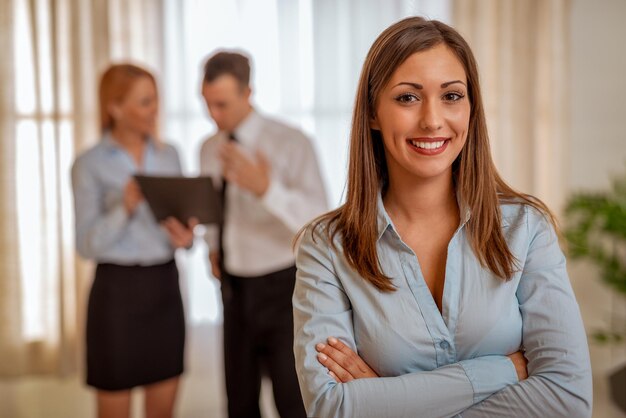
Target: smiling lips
{"x":428,"y":146}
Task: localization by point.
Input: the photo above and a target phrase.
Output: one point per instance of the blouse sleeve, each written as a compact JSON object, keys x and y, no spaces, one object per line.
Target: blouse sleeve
{"x":559,"y":382}
{"x":96,"y":229}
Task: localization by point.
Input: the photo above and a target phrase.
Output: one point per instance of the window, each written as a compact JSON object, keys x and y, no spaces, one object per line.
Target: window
{"x":306,"y":59}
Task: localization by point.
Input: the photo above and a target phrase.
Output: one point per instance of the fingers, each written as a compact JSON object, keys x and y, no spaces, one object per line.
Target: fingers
{"x":340,"y":374}
{"x":342,"y":354}
{"x":334,"y":376}
{"x":132,"y":196}
{"x":180,"y":235}
{"x":214,"y":258}
{"x":343,"y":365}
{"x":173,"y":230}
{"x":174,"y":225}
{"x":216,"y":272}
{"x":353,"y":361}
{"x":520,"y":362}
{"x":247,"y":172}
{"x":192,"y":222}
{"x":236,"y":160}
{"x":234,"y":163}
{"x":133,"y":189}
{"x":232,"y":156}
{"x":342,"y":361}
{"x":263,"y":161}
{"x":231,"y":175}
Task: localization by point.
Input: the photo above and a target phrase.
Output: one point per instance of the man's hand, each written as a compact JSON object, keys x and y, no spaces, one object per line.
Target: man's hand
{"x":342,"y":363}
{"x":246,"y":172}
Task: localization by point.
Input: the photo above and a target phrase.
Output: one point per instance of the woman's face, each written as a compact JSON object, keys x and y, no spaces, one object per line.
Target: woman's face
{"x":138,"y":110}
{"x":423,"y":115}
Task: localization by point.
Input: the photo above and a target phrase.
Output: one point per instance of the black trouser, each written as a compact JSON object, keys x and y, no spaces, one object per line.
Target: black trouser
{"x":258,"y":336}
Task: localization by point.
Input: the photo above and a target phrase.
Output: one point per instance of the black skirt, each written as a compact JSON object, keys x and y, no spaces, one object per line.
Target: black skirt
{"x":135,"y":326}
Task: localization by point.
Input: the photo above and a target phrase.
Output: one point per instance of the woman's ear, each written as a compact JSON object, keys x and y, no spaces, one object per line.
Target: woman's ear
{"x":374,"y":123}
{"x":115,"y":111}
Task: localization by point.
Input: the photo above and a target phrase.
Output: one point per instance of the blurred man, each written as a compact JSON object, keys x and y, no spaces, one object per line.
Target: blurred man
{"x":271,"y":186}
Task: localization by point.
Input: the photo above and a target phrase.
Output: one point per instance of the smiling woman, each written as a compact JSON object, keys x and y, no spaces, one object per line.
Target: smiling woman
{"x":436,"y":289}
{"x":423,"y":115}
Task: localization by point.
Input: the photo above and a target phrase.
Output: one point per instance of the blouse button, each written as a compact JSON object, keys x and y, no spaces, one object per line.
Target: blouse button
{"x":444,"y":344}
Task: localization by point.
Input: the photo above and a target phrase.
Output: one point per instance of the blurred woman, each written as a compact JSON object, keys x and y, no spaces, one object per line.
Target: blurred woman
{"x":135,"y":319}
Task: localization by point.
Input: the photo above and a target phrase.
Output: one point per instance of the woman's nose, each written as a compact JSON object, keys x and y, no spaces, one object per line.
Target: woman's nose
{"x":430,"y":117}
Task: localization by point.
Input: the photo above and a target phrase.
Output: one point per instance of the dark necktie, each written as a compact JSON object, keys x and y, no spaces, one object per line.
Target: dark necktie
{"x":231,"y":137}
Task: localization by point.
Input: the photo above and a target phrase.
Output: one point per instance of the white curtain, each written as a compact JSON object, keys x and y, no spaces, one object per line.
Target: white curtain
{"x":306,"y":55}
{"x":306,"y":58}
{"x":53,"y":52}
{"x":522,"y":52}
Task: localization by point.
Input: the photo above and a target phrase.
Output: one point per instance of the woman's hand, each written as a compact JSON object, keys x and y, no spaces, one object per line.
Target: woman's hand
{"x":342,"y":363}
{"x":132,"y":196}
{"x":214,"y":258}
{"x":181,"y":236}
{"x":520,"y":363}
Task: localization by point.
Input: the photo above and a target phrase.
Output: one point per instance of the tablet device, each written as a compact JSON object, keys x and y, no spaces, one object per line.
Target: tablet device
{"x":182,"y":198}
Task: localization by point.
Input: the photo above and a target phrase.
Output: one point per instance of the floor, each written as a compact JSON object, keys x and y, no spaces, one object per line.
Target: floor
{"x":201,"y":396}
{"x":202,"y":392}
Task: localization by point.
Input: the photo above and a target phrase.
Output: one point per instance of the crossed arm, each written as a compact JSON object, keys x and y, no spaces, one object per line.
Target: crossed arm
{"x":322,"y":308}
{"x":345,"y":365}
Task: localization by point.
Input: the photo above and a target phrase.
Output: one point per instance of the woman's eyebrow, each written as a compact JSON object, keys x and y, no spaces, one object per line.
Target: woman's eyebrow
{"x":418,"y":86}
{"x":447,"y":83}
{"x":414,"y":85}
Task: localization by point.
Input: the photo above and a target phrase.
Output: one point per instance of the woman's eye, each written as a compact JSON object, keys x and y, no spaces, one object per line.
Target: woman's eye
{"x":453,"y":96}
{"x":406,"y":98}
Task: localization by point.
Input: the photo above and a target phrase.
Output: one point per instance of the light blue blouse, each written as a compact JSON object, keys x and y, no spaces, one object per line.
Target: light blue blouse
{"x":104,"y":230}
{"x":436,"y":364}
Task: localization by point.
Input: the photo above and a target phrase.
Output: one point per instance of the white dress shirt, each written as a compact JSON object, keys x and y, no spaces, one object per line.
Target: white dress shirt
{"x":258,"y":232}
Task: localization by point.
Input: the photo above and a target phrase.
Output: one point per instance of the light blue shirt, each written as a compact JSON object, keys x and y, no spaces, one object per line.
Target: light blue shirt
{"x":104,"y":230}
{"x":436,"y":364}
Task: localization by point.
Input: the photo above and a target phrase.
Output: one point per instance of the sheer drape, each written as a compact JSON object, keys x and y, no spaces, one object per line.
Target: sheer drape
{"x":53,"y":52}
{"x":522,"y":52}
{"x":307,"y":55}
{"x":10,"y":316}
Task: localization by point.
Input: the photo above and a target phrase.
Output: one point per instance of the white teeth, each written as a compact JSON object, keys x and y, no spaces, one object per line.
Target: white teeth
{"x":428,"y":145}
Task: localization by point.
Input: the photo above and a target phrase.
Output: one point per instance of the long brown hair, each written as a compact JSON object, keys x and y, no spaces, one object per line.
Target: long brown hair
{"x":476,"y":179}
{"x":115,"y":83}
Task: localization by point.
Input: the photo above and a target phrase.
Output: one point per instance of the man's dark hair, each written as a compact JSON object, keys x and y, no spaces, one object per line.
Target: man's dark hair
{"x":232,"y":63}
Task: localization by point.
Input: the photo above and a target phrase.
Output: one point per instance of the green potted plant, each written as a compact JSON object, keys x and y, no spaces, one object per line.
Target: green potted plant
{"x":596,"y":231}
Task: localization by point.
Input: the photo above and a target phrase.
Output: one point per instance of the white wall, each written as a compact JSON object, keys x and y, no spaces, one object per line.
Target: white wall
{"x":598,"y":92}
{"x":597,"y":152}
